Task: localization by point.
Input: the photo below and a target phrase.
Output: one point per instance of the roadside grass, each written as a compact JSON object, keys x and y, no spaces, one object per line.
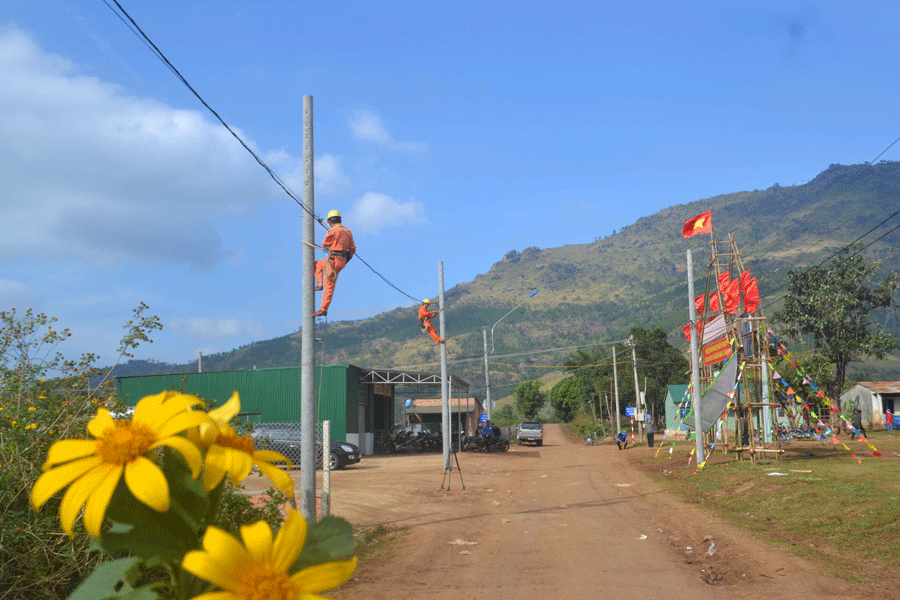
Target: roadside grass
{"x":818,"y":501}
{"x":377,"y":541}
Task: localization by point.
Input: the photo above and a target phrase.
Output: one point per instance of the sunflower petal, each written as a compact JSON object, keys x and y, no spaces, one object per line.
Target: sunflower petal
{"x":290,"y":540}
{"x":215,"y":596}
{"x":204,"y":566}
{"x":281,"y":479}
{"x":100,"y":423}
{"x":214,"y":468}
{"x":148,"y":405}
{"x":270,"y":456}
{"x":227,"y":411}
{"x":181,"y":421}
{"x":188,"y":451}
{"x":66,"y":450}
{"x":147,"y":483}
{"x":258,"y":540}
{"x":98,"y":501}
{"x":160,"y":410}
{"x":227,"y":550}
{"x":57,"y":478}
{"x":241,"y":463}
{"x":323,"y":577}
{"x":77,"y":495}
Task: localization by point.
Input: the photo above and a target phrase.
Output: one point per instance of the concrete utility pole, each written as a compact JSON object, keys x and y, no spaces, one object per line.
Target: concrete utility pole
{"x":487,"y":376}
{"x":638,"y":408}
{"x":308,"y":331}
{"x":445,"y":391}
{"x":616,"y":383}
{"x":695,"y":360}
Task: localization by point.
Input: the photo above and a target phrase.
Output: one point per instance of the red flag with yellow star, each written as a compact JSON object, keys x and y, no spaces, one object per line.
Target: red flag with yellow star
{"x":698,"y":225}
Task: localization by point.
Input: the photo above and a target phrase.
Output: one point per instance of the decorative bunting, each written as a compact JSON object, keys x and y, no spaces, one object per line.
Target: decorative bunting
{"x":788,"y":357}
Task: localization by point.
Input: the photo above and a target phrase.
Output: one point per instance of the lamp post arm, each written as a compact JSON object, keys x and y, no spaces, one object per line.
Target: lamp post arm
{"x":531,"y":295}
{"x":498,"y":322}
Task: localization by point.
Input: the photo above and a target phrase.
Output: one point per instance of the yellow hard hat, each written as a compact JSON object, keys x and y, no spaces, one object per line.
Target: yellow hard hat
{"x":426,"y":301}
{"x":333,"y":214}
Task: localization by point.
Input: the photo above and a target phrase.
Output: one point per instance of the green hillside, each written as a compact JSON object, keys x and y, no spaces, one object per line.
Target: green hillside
{"x":594,"y":292}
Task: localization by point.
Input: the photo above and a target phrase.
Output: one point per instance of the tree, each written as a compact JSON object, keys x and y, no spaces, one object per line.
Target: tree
{"x":505,"y":416}
{"x":567,"y":397}
{"x":832,"y":304}
{"x":658,"y":365}
{"x":529,"y":398}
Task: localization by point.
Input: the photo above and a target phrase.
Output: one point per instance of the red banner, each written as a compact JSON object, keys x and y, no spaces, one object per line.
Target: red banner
{"x":717,"y":351}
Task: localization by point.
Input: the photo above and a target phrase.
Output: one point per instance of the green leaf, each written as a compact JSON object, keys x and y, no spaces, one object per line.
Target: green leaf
{"x":139,"y":529}
{"x":110,"y":580}
{"x":328,"y":540}
{"x":188,"y":498}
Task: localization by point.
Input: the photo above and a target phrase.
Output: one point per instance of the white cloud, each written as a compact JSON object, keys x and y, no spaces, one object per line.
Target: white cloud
{"x":366,"y":125}
{"x":92,"y":173}
{"x":203,"y":327}
{"x":330,"y":179}
{"x":374,"y":212}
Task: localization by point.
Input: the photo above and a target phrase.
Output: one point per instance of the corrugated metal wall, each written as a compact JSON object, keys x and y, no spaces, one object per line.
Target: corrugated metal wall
{"x":274,"y":393}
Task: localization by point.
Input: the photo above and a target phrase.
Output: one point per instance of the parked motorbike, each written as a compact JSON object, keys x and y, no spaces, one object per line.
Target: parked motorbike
{"x":491,"y":444}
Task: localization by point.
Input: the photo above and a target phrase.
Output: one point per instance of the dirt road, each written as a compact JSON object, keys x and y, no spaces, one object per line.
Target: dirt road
{"x":561,"y":521}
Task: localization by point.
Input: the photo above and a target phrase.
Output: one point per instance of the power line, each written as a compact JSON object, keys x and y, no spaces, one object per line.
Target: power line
{"x":136,"y":29}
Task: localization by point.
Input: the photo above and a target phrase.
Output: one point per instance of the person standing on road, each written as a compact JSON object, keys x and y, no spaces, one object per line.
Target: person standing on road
{"x":889,"y":422}
{"x":650,"y":430}
{"x":622,"y":440}
{"x":338,"y":242}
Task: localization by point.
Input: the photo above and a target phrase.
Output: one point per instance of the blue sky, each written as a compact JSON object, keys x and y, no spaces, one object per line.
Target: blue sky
{"x":449,"y":132}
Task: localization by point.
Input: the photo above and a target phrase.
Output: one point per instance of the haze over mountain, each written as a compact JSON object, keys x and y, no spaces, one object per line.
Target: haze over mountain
{"x":594,"y":292}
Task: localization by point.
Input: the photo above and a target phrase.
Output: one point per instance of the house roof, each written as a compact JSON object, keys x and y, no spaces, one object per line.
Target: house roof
{"x":881,"y":387}
{"x":677,"y":393}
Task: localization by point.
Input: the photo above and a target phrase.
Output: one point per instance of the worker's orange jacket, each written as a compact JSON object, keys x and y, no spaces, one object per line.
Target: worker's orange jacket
{"x":340,"y":239}
{"x":424,"y":313}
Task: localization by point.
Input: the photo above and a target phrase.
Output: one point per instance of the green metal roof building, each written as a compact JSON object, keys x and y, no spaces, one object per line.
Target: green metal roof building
{"x":360,"y":403}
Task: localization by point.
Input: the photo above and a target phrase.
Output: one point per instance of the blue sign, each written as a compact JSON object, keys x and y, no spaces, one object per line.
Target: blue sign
{"x":482,"y":418}
{"x":629,"y":411}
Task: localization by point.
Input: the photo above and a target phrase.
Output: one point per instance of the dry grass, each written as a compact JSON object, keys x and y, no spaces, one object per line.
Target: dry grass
{"x":818,"y":502}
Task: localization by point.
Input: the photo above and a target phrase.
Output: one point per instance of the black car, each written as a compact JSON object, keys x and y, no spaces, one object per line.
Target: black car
{"x":285,"y":439}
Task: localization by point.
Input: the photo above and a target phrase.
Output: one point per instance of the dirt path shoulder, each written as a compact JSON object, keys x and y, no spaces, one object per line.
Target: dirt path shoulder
{"x":560,"y":521}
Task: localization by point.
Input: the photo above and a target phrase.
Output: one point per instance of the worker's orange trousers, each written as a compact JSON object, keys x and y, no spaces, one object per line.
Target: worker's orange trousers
{"x":327,"y":270}
{"x":429,"y":328}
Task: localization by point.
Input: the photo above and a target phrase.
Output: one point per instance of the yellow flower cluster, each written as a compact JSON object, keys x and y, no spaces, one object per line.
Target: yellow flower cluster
{"x":260,"y":567}
{"x":91,"y":469}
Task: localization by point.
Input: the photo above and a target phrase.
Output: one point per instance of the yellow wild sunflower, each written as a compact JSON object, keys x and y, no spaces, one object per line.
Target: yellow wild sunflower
{"x":258,"y":568}
{"x":95,"y":466}
{"x":235,"y":455}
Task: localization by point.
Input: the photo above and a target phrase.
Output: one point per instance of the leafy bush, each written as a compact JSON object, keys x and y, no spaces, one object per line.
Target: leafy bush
{"x":44,"y":397}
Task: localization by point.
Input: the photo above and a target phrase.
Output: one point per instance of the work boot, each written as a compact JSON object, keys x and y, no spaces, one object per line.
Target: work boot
{"x":318,"y":288}
{"x":320,"y":313}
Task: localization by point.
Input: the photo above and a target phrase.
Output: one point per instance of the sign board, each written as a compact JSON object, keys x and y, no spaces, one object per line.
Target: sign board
{"x":482,"y":418}
{"x":629,"y":411}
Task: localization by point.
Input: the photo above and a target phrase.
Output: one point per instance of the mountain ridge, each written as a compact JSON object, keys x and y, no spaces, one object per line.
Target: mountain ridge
{"x":595,"y":291}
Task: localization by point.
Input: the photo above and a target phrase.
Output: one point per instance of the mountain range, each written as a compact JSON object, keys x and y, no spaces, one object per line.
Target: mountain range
{"x":593,"y":293}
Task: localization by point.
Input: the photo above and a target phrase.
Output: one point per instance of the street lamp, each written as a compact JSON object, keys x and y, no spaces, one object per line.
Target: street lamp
{"x":531,"y":295}
{"x":487,"y":374}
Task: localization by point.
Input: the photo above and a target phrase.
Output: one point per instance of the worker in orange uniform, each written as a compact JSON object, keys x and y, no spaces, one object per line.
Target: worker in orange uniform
{"x":425,"y":316}
{"x":339,"y":244}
